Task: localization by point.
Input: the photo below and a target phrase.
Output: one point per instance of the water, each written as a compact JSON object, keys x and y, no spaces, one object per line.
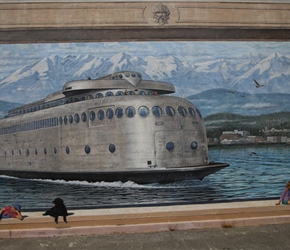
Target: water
{"x":250,"y":177}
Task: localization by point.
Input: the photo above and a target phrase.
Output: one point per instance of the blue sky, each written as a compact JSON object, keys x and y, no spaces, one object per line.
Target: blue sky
{"x":14,"y":56}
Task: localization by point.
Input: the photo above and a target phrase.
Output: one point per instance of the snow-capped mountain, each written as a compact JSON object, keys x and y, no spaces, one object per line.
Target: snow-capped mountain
{"x":36,"y":80}
{"x":273,"y":72}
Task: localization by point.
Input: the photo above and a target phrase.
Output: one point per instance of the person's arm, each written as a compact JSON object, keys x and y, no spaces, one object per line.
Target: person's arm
{"x":18,"y":215}
{"x":282,"y":196}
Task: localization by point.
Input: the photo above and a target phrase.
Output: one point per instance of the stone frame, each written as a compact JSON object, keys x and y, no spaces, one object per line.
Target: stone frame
{"x":45,"y":21}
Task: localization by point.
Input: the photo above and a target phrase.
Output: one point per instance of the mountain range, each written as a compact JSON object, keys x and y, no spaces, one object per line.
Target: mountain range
{"x":213,"y":85}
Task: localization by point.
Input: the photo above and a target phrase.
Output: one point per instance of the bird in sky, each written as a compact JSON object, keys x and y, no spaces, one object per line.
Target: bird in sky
{"x":258,"y":85}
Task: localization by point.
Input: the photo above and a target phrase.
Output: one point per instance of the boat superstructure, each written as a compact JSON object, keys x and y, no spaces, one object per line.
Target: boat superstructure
{"x":115,"y":128}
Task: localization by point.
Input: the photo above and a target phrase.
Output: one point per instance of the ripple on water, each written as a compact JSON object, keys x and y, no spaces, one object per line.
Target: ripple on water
{"x":259,"y":176}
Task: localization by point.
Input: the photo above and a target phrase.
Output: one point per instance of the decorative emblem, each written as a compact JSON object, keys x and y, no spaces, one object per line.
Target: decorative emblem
{"x":161,"y":14}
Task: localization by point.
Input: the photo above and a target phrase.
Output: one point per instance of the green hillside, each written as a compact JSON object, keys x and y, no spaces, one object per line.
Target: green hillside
{"x":217,"y":123}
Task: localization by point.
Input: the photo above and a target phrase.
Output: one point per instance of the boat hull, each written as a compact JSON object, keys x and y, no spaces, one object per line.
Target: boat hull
{"x":140,"y":177}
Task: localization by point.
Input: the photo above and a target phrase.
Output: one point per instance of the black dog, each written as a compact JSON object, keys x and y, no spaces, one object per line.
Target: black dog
{"x":59,"y":209}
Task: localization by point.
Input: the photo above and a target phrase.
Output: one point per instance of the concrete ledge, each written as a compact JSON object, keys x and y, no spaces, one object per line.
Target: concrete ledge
{"x":148,"y":219}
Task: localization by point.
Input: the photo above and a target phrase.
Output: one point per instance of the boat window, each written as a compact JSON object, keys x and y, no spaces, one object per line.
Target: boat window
{"x":27,"y":152}
{"x":87,"y":149}
{"x":157,"y":111}
{"x":20,"y":152}
{"x":194,"y":145}
{"x":45,"y":151}
{"x":83,"y":98}
{"x":120,"y":93}
{"x":133,"y":75}
{"x":101,"y":114}
{"x":71,"y":119}
{"x":84,"y":116}
{"x":182,"y":111}
{"x":112,"y":148}
{"x":170,"y":146}
{"x":110,"y":113}
{"x":120,"y":76}
{"x":99,"y":95}
{"x":89,"y":97}
{"x":12,"y":152}
{"x":60,"y":120}
{"x":65,"y":119}
{"x":141,"y":92}
{"x":92,"y":115}
{"x":55,"y":150}
{"x":150,"y":93}
{"x":36,"y":151}
{"x":127,"y":75}
{"x":143,"y":111}
{"x":199,"y":113}
{"x":191,"y":111}
{"x":109,"y":93}
{"x":77,"y":118}
{"x":119,"y":112}
{"x":131,"y":92}
{"x":76,"y":99}
{"x":54,"y":121}
{"x":67,"y":150}
{"x":130,"y":112}
{"x":170,"y":111}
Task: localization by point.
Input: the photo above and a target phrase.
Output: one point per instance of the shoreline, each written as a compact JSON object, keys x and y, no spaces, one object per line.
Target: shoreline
{"x":250,"y":144}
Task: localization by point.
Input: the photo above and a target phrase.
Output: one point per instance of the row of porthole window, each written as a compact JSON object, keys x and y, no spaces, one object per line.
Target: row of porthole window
{"x":28,"y":151}
{"x":75,"y":99}
{"x":170,"y":145}
{"x":130,"y":112}
{"x":109,"y":113}
{"x":87,"y":149}
{"x":39,"y":124}
{"x":112,"y":148}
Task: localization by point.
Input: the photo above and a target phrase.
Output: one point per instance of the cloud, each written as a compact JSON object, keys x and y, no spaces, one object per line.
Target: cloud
{"x":265,"y":105}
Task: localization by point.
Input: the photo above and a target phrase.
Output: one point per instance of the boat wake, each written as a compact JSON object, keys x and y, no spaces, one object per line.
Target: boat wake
{"x":119,"y":184}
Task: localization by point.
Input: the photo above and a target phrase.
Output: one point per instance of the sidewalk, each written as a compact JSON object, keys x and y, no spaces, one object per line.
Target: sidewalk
{"x":148,"y":219}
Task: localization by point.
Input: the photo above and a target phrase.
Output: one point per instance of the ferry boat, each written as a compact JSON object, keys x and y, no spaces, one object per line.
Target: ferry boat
{"x":114,"y":128}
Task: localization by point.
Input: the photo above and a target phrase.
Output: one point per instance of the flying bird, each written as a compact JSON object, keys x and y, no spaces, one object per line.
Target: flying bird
{"x":258,"y":85}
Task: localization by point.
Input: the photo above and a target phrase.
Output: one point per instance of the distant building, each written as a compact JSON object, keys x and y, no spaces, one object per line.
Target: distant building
{"x":276,"y":139}
{"x":244,"y":134}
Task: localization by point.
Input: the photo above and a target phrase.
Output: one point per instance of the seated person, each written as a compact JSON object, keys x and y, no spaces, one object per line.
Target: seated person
{"x":11,"y":212}
{"x":285,"y":196}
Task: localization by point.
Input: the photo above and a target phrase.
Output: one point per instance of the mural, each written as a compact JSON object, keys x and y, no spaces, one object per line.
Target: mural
{"x":236,"y":85}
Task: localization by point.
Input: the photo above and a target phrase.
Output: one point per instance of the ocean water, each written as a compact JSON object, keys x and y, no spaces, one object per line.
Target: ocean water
{"x":262,"y":175}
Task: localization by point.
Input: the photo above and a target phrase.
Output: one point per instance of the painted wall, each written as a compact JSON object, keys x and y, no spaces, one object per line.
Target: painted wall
{"x":31,"y":71}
